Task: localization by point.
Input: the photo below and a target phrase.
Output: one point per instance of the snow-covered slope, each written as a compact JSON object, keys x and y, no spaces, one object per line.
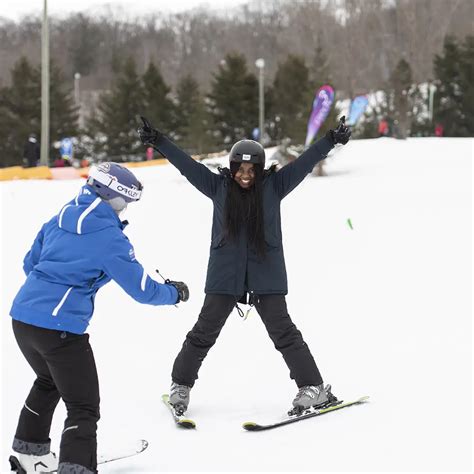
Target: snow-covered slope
{"x":385,"y":308}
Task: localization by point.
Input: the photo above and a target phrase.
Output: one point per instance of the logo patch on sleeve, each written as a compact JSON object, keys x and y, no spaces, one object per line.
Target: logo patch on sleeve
{"x":131,"y":254}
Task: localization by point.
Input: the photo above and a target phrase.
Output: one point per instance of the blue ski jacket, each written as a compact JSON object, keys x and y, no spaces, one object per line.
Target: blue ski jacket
{"x":74,"y":254}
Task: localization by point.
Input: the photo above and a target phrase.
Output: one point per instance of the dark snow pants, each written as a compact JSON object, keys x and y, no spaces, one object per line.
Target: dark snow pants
{"x":65,"y":368}
{"x":284,"y":334}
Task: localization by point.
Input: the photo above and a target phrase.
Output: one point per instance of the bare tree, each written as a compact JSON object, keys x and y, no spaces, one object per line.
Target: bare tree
{"x":363,"y":39}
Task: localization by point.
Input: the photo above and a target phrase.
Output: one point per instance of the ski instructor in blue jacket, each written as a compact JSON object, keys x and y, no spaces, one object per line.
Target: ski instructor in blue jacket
{"x":246,"y":261}
{"x":75,"y":253}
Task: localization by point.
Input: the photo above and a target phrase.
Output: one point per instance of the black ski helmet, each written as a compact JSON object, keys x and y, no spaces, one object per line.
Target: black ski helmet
{"x":247,"y":151}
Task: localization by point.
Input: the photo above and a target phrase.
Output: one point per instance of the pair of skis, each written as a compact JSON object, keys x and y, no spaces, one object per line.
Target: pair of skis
{"x":187,"y":423}
{"x":140,"y":445}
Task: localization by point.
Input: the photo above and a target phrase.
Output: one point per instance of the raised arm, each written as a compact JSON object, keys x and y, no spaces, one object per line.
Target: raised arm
{"x":292,"y":174}
{"x":196,"y":173}
{"x":288,"y":177}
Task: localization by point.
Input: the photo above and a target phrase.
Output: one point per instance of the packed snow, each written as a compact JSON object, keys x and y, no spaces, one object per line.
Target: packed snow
{"x":385,"y":307}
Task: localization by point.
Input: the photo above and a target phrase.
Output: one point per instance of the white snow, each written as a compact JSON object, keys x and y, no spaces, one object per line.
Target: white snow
{"x":385,"y":308}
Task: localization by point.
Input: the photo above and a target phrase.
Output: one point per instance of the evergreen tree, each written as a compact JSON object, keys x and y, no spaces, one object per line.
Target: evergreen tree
{"x":292,"y":99}
{"x":6,"y":123}
{"x":420,"y":124}
{"x":64,"y":112}
{"x":454,"y":93}
{"x":192,"y":120}
{"x":400,"y":104}
{"x":447,"y":99}
{"x":114,"y":123}
{"x":158,"y":107}
{"x":400,"y":97}
{"x":467,"y":87}
{"x":20,"y":110}
{"x":234,"y":99}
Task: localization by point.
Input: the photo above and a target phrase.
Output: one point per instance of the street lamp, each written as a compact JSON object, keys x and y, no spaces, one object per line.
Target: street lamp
{"x":77,"y":95}
{"x":260,"y":63}
{"x":77,"y":98}
{"x":44,"y":156}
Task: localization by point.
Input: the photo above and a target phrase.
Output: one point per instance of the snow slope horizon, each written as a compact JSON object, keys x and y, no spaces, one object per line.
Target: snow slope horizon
{"x":385,"y":308}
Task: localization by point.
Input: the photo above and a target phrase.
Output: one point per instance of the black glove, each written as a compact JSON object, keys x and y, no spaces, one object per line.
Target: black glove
{"x":341,"y":134}
{"x":149,"y":136}
{"x":182,"y":288}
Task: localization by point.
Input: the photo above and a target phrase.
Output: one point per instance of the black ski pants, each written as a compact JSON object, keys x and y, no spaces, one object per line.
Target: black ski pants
{"x":284,"y":334}
{"x":65,"y":368}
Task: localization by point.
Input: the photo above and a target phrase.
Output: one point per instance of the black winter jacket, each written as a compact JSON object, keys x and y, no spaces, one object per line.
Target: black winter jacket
{"x":234,"y":267}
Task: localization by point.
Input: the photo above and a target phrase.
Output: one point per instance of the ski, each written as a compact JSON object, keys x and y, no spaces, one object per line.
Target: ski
{"x":180,"y":420}
{"x":310,"y":413}
{"x":136,"y":448}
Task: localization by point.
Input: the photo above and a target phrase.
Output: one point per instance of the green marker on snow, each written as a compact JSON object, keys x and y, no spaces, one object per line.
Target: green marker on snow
{"x":350,"y":224}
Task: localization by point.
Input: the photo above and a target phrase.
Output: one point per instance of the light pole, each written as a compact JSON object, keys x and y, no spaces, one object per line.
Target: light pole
{"x":260,"y":63}
{"x":77,"y":98}
{"x":44,"y":156}
{"x":77,"y":95}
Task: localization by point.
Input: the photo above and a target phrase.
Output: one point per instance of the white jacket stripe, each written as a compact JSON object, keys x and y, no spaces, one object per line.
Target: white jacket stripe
{"x":61,"y":215}
{"x":143,"y":282}
{"x":86,"y":212}
{"x":64,"y":208}
{"x":58,"y":307}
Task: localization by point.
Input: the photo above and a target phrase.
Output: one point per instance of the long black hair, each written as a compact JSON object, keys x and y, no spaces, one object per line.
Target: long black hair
{"x":244,"y":208}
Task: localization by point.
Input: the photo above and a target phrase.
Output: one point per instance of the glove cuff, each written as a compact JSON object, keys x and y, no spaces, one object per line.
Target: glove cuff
{"x":330,"y":135}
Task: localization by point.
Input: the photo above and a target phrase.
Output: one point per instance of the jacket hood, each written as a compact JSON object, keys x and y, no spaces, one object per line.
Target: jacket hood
{"x":87,"y":213}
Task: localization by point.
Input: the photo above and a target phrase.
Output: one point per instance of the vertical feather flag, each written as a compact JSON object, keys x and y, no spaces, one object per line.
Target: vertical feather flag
{"x":358,"y":106}
{"x":321,"y":107}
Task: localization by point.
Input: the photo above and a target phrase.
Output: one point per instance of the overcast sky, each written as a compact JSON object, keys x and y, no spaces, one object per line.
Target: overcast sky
{"x":15,"y":9}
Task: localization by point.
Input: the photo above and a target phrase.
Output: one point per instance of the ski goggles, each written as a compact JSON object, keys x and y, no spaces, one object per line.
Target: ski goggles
{"x":132,"y":194}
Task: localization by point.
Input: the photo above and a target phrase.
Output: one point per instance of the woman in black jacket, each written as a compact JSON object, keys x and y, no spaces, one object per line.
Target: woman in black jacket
{"x":246,"y":260}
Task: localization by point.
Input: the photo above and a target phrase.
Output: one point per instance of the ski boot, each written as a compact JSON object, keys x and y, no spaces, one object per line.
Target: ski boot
{"x":312,"y":396}
{"x":179,"y":398}
{"x":29,"y":463}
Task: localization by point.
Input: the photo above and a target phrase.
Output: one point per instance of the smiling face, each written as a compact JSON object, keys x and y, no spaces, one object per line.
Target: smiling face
{"x":245,"y":175}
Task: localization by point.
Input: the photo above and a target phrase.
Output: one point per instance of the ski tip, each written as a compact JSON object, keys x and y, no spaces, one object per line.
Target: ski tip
{"x":363,"y":399}
{"x":186,"y":423}
{"x":165,"y":397}
{"x":250,"y":426}
{"x":143,"y":444}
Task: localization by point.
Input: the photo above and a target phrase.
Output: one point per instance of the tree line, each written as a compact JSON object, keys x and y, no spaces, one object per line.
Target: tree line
{"x":204,"y":121}
{"x":200,"y":122}
{"x":407,"y":103}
